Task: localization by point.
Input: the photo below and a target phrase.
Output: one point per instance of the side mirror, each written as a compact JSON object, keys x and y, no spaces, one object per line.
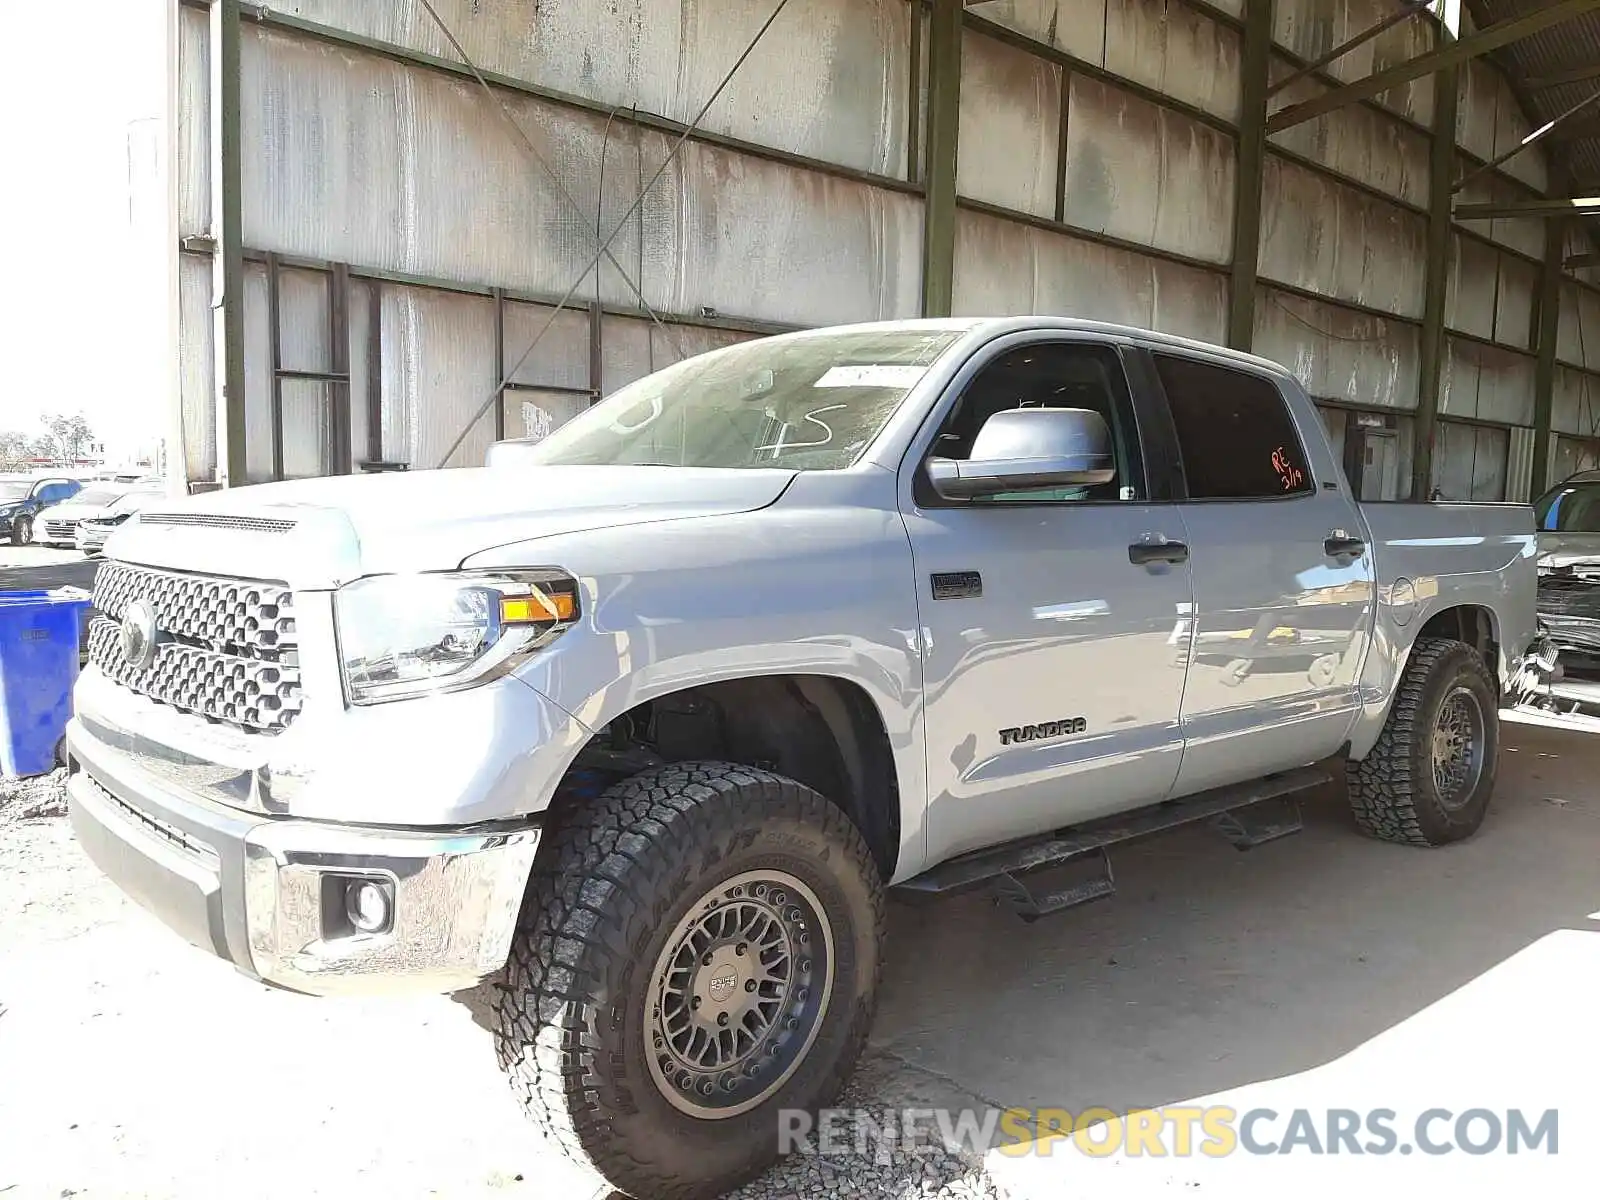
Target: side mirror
{"x":1025,"y":448}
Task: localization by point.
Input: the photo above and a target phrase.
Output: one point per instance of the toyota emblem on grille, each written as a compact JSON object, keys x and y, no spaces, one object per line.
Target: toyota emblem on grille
{"x":139,"y":633}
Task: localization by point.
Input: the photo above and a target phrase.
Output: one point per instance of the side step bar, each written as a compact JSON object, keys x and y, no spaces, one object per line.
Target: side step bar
{"x":1247,"y":815}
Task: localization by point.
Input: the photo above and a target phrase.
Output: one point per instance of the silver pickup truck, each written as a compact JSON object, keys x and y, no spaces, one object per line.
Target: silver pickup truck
{"x":639,"y":722}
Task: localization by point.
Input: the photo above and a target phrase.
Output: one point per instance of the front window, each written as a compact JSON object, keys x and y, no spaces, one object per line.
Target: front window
{"x":1570,"y":508}
{"x":809,"y":402}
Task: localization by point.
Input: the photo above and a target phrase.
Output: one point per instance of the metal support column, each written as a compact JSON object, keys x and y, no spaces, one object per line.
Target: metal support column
{"x":939,"y":161}
{"x":227,"y":265}
{"x":1251,"y":158}
{"x":596,"y":350}
{"x":339,"y":448}
{"x":1441,"y":180}
{"x":275,"y":363}
{"x":1544,"y":375}
{"x":374,"y":371}
{"x":500,"y":363}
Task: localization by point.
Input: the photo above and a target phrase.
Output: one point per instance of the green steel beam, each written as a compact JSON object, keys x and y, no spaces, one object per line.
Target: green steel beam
{"x":227,"y":266}
{"x":1544,"y":373}
{"x":1252,"y":150}
{"x":939,"y":160}
{"x":1441,"y":171}
{"x":1560,"y":206}
{"x":1452,"y":54}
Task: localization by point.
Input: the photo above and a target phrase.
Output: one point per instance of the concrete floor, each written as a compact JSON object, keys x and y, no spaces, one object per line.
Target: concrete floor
{"x":1323,"y":970}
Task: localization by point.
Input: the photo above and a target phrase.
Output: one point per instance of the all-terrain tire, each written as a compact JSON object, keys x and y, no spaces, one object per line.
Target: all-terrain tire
{"x":612,"y":881}
{"x":1392,"y":790}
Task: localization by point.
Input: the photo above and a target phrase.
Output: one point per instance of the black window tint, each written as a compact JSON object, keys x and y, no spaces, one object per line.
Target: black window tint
{"x":1570,"y":508}
{"x":1051,"y":375}
{"x":1234,"y":433}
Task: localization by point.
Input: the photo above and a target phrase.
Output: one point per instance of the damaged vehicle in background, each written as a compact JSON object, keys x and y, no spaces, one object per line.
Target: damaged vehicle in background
{"x":1568,"y":520}
{"x":92,"y":531}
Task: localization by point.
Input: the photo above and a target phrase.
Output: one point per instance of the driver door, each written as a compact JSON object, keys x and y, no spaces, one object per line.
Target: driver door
{"x":1034,"y":614}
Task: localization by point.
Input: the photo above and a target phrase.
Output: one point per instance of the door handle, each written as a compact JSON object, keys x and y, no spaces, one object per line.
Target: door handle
{"x":1142,"y":553}
{"x":1340,"y":544}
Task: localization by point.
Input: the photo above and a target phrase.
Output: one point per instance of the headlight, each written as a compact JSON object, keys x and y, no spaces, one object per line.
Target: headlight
{"x":407,"y":635}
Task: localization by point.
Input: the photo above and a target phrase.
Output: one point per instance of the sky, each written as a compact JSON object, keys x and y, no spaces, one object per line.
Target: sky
{"x":81,"y":325}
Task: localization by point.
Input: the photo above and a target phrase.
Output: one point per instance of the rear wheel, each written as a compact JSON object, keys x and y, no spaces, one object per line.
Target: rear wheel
{"x":700,"y":949}
{"x":1429,"y":778}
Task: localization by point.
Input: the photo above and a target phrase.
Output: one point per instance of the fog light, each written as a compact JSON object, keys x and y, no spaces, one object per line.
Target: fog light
{"x":366,"y":904}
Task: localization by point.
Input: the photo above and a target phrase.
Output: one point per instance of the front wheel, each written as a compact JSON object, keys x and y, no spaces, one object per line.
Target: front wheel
{"x":21,"y":531}
{"x":699,"y":950}
{"x":1429,"y":778}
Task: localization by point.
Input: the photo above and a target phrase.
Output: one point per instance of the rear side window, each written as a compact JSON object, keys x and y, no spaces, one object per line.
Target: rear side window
{"x":1235,"y":435}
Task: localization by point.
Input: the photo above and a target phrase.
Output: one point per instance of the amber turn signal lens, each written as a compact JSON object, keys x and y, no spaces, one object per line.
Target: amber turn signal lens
{"x":542,"y":606}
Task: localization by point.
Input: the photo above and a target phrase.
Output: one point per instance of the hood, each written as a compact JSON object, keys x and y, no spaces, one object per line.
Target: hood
{"x":71,"y":510}
{"x":324,"y":532}
{"x":1576,"y":551}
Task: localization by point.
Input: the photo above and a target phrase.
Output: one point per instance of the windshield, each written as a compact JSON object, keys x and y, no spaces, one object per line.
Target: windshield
{"x":812,"y":402}
{"x":12,"y":490}
{"x":1570,"y":508}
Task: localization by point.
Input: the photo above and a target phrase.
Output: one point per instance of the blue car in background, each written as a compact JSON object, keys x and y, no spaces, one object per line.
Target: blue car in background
{"x":21,"y":499}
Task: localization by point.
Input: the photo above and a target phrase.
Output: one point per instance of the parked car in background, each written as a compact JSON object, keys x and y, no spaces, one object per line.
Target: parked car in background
{"x":93,"y":531}
{"x":57,"y":525}
{"x":22,"y":498}
{"x":1568,"y":519}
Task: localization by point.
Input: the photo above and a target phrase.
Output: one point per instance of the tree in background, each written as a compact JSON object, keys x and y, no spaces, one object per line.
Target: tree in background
{"x":69,"y":436}
{"x":14,"y":447}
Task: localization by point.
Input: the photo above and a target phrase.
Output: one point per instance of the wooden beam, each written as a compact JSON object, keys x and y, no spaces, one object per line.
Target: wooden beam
{"x":1501,"y":33}
{"x":1575,"y":206}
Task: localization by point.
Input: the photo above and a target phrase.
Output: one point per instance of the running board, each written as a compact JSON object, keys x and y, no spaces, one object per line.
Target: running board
{"x":1247,"y":815}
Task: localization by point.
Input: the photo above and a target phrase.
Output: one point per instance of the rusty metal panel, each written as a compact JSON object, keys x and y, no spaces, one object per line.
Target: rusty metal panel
{"x":1168,"y":47}
{"x":1518,"y":233}
{"x":1358,"y":143}
{"x":350,"y":157}
{"x":1338,"y":242}
{"x":1310,"y":28}
{"x":1514,"y":302}
{"x":195,"y":367}
{"x":1487,"y":383}
{"x":1575,"y":403}
{"x":828,"y":81}
{"x":766,"y":241}
{"x":194,"y":123}
{"x":1010,"y":115}
{"x":1006,"y":267}
{"x":1470,"y":288}
{"x":1146,"y":174}
{"x":438,"y":368}
{"x":560,"y":358}
{"x":1076,"y":26}
{"x":1176,"y":51}
{"x":1339,"y":354}
{"x":1578,"y":339}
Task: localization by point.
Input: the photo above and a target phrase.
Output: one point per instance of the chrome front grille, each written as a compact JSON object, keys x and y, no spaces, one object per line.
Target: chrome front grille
{"x":225,"y":648}
{"x":60,"y":530}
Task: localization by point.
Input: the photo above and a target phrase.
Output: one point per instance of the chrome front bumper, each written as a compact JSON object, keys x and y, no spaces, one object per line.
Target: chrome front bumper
{"x":266,"y":893}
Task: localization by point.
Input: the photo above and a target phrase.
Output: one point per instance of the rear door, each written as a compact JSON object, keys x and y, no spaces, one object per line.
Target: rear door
{"x":1283,"y":583}
{"x":1054,"y":654}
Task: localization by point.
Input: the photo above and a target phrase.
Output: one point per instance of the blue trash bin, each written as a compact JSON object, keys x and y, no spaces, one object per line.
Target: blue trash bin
{"x":38,"y":665}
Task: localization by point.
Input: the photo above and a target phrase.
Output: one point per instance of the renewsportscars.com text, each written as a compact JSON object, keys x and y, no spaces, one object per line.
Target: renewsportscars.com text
{"x":1177,"y":1131}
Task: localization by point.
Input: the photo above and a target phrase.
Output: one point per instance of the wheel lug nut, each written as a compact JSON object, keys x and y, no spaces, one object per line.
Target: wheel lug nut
{"x":801,"y":994}
{"x":722,"y":1019}
{"x":695,"y":1003}
{"x":684,"y":1082}
{"x":707,"y":1088}
{"x":805,"y":965}
{"x":730,"y":1083}
{"x":794,"y":914}
{"x":749,"y":985}
{"x":705,"y":960}
{"x":739,"y":891}
{"x":659,"y":1041}
{"x":791,"y":1024}
{"x":779,"y":898}
{"x":759,"y":891}
{"x":741,"y":948}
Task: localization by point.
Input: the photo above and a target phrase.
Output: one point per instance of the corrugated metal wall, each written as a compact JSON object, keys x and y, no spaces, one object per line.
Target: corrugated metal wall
{"x":1095,"y":178}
